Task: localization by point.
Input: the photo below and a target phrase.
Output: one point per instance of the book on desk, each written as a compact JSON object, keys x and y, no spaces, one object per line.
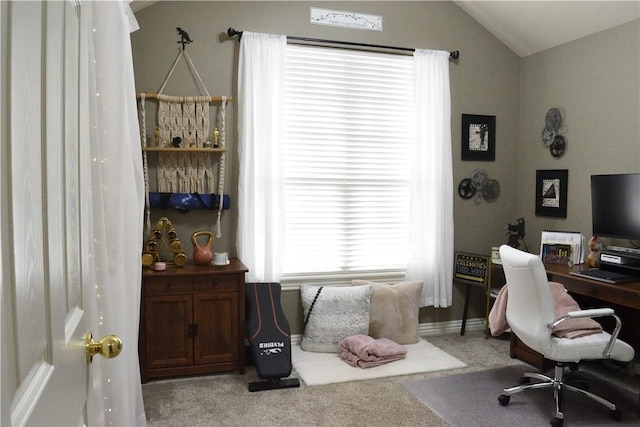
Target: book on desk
{"x":555,"y":253}
{"x":562,"y":247}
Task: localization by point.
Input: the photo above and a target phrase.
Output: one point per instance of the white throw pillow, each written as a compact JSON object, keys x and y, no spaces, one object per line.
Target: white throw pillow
{"x":338,"y":312}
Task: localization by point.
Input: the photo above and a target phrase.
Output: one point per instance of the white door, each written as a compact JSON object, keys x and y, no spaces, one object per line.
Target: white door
{"x":43,"y":176}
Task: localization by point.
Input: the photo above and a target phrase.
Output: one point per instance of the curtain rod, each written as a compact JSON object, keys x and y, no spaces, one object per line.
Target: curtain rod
{"x":231,"y":32}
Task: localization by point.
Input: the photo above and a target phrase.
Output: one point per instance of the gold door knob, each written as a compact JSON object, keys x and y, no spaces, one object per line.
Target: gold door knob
{"x":109,"y":346}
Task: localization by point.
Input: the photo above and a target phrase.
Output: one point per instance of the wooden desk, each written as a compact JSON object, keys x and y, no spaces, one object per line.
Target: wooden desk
{"x":625,"y":295}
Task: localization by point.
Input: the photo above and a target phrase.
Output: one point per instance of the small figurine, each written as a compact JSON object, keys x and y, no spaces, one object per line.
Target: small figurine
{"x":216,"y":135}
{"x":595,"y":246}
{"x":176,"y":142}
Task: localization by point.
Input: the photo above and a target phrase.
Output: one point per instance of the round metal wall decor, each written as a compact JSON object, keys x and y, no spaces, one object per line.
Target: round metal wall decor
{"x":479,"y":187}
{"x":491,"y":190}
{"x":479,"y":178}
{"x":548,"y":135}
{"x":553,"y":119}
{"x":558,"y":146}
{"x":466,"y":190}
{"x":551,"y":134}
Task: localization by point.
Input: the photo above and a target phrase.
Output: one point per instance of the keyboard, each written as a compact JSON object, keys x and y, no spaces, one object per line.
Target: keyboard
{"x":606,"y":276}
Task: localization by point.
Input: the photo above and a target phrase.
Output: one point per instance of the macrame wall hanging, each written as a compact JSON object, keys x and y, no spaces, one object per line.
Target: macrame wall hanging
{"x":185,"y":143}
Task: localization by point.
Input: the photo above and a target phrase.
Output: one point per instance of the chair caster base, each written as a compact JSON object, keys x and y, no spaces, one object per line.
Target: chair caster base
{"x":615,"y":414}
{"x":503,"y":399}
{"x":557,"y":422}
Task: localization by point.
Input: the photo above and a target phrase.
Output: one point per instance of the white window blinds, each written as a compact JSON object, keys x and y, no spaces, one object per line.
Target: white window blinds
{"x":348,"y":132}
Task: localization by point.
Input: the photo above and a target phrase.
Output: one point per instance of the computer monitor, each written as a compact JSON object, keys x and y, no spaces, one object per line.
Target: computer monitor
{"x":615,"y":205}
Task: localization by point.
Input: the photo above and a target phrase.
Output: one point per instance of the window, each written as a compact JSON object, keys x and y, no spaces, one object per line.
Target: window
{"x":347,"y":163}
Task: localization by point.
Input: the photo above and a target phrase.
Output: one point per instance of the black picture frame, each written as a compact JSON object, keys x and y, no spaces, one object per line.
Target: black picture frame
{"x":551,"y":192}
{"x":478,"y":137}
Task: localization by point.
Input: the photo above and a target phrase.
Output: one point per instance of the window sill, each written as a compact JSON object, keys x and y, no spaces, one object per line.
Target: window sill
{"x":293,"y":281}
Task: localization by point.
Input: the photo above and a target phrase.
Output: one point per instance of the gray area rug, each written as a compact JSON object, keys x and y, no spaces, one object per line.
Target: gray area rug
{"x":471,"y":399}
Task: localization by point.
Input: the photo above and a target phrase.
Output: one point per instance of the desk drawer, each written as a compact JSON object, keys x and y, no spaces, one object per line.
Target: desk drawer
{"x":615,"y":294}
{"x":167,"y":285}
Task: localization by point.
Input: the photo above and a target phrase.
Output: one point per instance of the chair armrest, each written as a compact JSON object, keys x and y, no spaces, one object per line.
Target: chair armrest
{"x":594,"y":312}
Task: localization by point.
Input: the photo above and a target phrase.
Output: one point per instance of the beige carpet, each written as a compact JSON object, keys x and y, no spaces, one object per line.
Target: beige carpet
{"x":223,"y":399}
{"x":327,"y":368}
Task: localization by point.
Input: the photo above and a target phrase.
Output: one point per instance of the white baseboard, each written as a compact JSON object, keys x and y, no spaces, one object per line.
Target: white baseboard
{"x":427,"y":329}
{"x":439,"y":328}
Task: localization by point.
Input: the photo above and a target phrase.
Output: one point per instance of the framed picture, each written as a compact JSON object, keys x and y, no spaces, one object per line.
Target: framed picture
{"x":551,"y":193}
{"x":478,"y":137}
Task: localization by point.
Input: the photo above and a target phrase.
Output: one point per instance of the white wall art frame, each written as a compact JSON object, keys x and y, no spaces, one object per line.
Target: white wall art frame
{"x":338,"y":18}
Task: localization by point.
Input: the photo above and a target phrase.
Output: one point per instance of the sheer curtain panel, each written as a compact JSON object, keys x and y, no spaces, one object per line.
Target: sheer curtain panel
{"x":431,"y":222}
{"x":260,"y":181}
{"x":115,"y":201}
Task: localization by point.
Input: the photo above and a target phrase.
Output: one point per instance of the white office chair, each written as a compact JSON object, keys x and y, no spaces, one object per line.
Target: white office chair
{"x":530,"y":315}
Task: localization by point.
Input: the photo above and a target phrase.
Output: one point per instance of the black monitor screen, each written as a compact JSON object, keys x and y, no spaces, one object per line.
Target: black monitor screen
{"x":615,"y":205}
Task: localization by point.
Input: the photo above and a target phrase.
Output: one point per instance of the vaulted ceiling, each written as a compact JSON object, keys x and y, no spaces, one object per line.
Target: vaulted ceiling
{"x":528,"y":27}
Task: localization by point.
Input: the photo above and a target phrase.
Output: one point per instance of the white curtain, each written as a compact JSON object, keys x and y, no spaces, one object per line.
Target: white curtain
{"x":431,"y":216}
{"x":112,"y":293}
{"x":260,"y":183}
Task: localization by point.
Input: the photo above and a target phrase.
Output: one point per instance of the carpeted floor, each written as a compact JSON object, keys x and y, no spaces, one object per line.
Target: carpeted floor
{"x":223,"y":400}
{"x":447,"y":395}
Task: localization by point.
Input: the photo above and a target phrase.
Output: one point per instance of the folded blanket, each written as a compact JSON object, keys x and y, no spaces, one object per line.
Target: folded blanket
{"x":362,"y":351}
{"x":563,"y":304}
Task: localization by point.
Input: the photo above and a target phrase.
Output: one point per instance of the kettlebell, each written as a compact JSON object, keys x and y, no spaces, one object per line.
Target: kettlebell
{"x":202,"y":254}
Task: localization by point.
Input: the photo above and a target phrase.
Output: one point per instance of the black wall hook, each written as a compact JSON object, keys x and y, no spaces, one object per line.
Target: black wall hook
{"x":184,"y":37}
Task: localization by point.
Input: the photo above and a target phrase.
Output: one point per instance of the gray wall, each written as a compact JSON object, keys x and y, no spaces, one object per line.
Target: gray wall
{"x":596,"y":82}
{"x":488,"y":79}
